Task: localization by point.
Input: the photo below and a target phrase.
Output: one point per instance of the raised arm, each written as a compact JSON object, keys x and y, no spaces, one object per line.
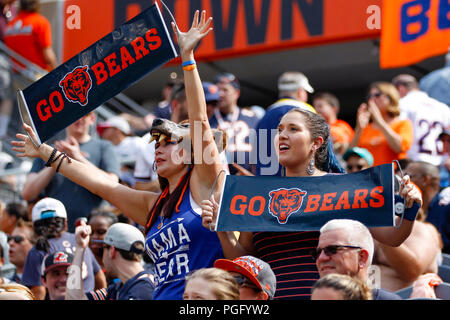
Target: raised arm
{"x":74,"y":287}
{"x":135,"y":204}
{"x":206,"y":155}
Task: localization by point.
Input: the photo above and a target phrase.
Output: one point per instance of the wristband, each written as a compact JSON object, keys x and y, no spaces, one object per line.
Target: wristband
{"x":408,"y":213}
{"x":50,"y":160}
{"x":189,"y":65}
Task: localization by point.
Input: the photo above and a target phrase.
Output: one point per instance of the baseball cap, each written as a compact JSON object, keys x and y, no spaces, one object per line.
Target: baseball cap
{"x":211,"y":92}
{"x":114,"y":122}
{"x":290,"y":81}
{"x":227,"y":78}
{"x":54,"y":260}
{"x":123,"y":236}
{"x":48,"y":208}
{"x":256,"y":270}
{"x":363,"y":153}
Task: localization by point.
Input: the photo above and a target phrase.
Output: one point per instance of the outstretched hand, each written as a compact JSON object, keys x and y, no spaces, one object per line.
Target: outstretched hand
{"x":187,"y":41}
{"x":25,"y":146}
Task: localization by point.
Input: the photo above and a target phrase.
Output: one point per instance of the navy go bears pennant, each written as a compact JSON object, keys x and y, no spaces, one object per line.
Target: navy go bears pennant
{"x":97,"y":74}
{"x":269,"y":203}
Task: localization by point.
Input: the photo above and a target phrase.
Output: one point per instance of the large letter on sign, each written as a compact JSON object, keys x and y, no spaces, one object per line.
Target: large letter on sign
{"x":414,"y":16}
{"x":444,"y":14}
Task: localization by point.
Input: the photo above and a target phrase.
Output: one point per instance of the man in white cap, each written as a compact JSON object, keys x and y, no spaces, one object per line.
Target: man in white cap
{"x":123,"y":249}
{"x":293,"y":90}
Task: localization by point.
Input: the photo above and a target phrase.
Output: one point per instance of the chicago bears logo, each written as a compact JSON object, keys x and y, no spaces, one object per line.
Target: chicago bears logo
{"x":284,"y":202}
{"x":76,"y":85}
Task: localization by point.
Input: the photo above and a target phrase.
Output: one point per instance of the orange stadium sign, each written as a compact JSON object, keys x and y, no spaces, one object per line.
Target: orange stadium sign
{"x":413,"y":30}
{"x":241,"y":27}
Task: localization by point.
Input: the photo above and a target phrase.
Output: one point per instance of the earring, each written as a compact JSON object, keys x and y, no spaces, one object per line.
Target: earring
{"x":310,"y":169}
{"x":154,"y":166}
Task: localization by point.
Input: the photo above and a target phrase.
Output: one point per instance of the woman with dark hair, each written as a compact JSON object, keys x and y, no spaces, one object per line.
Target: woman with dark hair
{"x":302,"y":149}
{"x":175,"y":238}
{"x":100,"y":221}
{"x":379,"y":128}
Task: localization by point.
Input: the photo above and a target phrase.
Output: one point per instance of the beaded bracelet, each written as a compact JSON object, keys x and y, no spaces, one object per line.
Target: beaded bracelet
{"x":50,"y":160}
{"x":62,"y":159}
{"x":189,"y":65}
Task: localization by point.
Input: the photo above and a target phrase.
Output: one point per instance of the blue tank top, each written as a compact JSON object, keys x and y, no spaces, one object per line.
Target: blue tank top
{"x":180,"y":245}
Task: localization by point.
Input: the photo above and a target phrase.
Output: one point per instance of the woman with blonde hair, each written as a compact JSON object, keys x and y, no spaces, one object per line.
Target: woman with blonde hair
{"x":211,"y":284}
{"x":379,"y":128}
{"x":15,"y":291}
{"x":340,"y":287}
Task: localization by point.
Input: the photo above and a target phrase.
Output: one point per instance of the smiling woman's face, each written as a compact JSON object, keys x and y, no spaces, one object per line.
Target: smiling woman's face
{"x":293,"y":142}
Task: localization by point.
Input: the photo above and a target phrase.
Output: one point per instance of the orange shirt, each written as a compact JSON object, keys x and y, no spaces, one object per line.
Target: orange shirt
{"x":341,"y":131}
{"x":28,"y":34}
{"x":373,"y":140}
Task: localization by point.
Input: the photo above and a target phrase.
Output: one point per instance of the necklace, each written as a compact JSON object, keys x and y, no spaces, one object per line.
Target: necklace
{"x":161,"y":223}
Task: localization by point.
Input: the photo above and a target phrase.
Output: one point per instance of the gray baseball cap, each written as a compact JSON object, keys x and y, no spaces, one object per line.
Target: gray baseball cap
{"x":293,"y":80}
{"x":123,"y":236}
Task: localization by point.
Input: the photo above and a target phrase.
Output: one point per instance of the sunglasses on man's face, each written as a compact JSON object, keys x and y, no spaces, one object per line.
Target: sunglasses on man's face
{"x":102,"y":248}
{"x":330,"y":250}
{"x":17,"y":239}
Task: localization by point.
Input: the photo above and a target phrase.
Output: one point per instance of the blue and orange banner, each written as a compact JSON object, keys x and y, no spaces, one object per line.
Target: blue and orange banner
{"x":413,"y":30}
{"x":97,"y":74}
{"x":241,"y":27}
{"x":269,"y":203}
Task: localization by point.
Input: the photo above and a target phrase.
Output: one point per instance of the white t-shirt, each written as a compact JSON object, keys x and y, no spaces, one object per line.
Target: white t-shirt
{"x":429,"y":118}
{"x":129,"y":149}
{"x":143,"y":169}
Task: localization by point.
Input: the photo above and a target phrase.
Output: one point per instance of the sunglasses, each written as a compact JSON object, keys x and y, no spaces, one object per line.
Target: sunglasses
{"x":330,"y":250}
{"x":374,"y":95}
{"x":17,"y":239}
{"x":102,"y":248}
{"x":356,"y":166}
{"x":245,"y":282}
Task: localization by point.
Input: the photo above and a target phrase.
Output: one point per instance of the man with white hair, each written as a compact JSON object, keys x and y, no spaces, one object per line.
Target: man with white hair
{"x":347,"y":247}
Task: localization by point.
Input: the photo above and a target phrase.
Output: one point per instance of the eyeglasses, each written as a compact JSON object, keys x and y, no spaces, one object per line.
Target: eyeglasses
{"x":330,"y":250}
{"x":356,"y":166}
{"x":245,"y":282}
{"x":102,"y":248}
{"x":17,"y":239}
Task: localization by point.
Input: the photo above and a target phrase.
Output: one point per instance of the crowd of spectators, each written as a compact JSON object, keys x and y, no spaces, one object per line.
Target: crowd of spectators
{"x":109,"y":226}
